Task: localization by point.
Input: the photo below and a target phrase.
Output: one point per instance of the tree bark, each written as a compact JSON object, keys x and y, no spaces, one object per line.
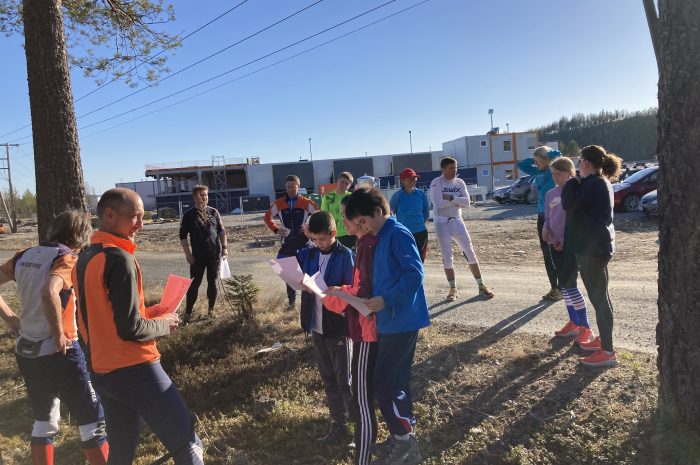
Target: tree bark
{"x":59,"y":174}
{"x":679,"y":211}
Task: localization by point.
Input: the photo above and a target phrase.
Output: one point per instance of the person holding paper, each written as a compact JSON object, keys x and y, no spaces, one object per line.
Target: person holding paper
{"x":401,"y":311}
{"x":119,"y":333}
{"x":208,"y":238}
{"x":363,"y":332}
{"x":48,"y":355}
{"x":292,"y":211}
{"x":328,"y":330}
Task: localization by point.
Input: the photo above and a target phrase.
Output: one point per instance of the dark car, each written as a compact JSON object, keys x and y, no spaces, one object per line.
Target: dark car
{"x":523,"y":190}
{"x":629,"y":192}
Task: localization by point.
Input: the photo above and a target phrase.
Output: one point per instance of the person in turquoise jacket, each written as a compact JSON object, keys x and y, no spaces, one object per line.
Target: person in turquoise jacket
{"x":538,"y":166}
{"x":412,"y":209}
{"x":401,"y":310}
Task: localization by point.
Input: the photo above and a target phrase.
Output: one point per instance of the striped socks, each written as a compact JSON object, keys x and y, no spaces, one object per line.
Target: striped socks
{"x":576,"y":306}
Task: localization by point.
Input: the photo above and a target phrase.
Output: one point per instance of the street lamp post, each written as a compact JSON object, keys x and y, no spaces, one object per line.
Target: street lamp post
{"x":410,"y":140}
{"x":311,"y":155}
{"x":491,"y":114}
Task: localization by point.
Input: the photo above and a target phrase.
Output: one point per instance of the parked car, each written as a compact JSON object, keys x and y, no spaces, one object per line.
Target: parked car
{"x":523,"y":190}
{"x":629,"y":192}
{"x":648,"y":204}
{"x":502,"y":194}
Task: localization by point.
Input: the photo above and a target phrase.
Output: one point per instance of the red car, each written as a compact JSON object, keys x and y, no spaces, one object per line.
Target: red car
{"x":632,"y":189}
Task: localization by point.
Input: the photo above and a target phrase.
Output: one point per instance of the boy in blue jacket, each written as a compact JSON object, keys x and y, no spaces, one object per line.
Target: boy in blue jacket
{"x":329,"y":331}
{"x":401,"y":310}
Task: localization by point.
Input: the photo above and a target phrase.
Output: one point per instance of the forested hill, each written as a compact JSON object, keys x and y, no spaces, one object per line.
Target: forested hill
{"x":631,"y":135}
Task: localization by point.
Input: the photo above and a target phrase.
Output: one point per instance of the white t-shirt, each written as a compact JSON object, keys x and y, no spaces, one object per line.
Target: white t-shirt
{"x":318,"y":303}
{"x":443,"y":209}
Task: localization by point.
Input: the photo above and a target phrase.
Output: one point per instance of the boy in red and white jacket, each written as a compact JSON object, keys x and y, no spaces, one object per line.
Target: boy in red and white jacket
{"x":363,"y":332}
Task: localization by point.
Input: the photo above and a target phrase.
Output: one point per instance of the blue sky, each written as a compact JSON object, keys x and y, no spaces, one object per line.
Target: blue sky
{"x":434,"y":70}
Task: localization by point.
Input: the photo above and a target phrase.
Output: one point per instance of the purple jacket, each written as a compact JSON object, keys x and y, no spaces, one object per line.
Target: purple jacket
{"x":554,"y":216}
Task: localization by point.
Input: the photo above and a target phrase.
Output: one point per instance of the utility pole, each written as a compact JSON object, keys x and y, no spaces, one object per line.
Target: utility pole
{"x":410,"y":141}
{"x":311,"y":155}
{"x":11,"y":212}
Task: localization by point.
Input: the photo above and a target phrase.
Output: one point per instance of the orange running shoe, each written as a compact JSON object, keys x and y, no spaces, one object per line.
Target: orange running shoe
{"x":569,"y":329}
{"x":600,"y":358}
{"x":591,"y":346}
{"x":584,"y":335}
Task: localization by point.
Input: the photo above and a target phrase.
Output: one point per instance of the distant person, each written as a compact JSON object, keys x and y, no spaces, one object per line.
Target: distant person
{"x":363,"y":332}
{"x":208,"y":238}
{"x":292,"y":211}
{"x":119,"y":333}
{"x":449,"y":194}
{"x":401,"y":310}
{"x":412,"y":209}
{"x":329,"y":331}
{"x":48,"y":355}
{"x":553,"y":231}
{"x":538,"y":166}
{"x":331,"y":203}
{"x":590,"y":234}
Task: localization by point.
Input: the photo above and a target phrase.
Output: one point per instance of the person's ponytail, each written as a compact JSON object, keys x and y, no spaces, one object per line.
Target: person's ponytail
{"x":612,"y":165}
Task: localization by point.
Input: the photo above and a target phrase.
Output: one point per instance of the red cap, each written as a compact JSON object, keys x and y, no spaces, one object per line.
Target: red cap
{"x":408,"y":173}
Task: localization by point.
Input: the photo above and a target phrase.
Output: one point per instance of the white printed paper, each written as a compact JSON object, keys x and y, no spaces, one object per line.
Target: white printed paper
{"x":357,"y":302}
{"x":289,"y":271}
{"x":316,"y":284}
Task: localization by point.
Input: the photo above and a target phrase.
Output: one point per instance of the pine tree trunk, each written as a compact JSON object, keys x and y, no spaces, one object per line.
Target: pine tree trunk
{"x":59,"y":174}
{"x":679,"y":203}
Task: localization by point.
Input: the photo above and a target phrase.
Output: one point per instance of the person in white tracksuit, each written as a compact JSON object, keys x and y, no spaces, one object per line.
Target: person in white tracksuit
{"x":449,"y":194}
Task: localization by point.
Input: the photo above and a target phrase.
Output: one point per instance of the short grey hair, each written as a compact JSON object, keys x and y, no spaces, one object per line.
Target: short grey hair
{"x":71,"y":228}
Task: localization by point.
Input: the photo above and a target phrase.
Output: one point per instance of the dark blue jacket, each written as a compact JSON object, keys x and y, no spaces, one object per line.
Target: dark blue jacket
{"x":339,"y":271}
{"x":589,"y":216}
{"x":397,"y":276}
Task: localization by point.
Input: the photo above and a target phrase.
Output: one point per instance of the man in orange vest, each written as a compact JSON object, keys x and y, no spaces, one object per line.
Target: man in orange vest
{"x":119,"y":333}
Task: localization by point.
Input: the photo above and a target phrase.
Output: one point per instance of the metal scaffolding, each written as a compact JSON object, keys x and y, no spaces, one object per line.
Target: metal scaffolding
{"x":221,"y":199}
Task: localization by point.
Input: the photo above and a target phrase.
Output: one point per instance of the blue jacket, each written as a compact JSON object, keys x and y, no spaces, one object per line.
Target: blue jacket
{"x":411,"y":210}
{"x":397,"y":276}
{"x":339,"y":271}
{"x":543,"y":180}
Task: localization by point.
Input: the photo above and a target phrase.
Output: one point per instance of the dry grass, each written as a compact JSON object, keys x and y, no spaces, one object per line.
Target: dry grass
{"x":482,"y":396}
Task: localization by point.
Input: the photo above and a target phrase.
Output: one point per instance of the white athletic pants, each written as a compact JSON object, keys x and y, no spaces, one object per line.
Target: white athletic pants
{"x":445,"y":232}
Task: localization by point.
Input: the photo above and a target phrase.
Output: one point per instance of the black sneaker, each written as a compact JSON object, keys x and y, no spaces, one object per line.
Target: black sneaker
{"x":337,"y":434}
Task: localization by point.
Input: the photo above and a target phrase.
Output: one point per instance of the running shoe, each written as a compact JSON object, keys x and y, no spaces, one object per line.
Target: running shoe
{"x":452,"y":294}
{"x":585,"y":334}
{"x":569,"y":329}
{"x":485,"y":292}
{"x":554,"y":295}
{"x":600,"y":358}
{"x":591,"y":346}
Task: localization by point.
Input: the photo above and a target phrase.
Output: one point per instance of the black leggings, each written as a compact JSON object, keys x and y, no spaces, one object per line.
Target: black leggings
{"x":421,"y":238}
{"x":594,"y":274}
{"x":548,"y":263}
{"x":197,"y":273}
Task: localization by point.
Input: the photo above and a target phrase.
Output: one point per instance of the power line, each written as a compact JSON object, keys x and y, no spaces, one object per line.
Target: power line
{"x":201,"y":60}
{"x":256,"y":71}
{"x":210,"y":22}
{"x":232,"y":69}
{"x":164,"y":50}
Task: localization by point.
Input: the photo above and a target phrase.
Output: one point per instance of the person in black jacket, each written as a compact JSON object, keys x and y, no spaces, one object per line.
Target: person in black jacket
{"x":208,"y":238}
{"x":590,"y":234}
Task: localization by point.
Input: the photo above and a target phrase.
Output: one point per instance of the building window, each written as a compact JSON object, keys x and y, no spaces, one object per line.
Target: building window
{"x":483,"y":143}
{"x":531,"y":143}
{"x":509,"y":175}
{"x":507,"y":146}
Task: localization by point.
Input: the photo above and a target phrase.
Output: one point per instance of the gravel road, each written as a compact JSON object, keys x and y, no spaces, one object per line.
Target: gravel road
{"x":498,"y":232}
